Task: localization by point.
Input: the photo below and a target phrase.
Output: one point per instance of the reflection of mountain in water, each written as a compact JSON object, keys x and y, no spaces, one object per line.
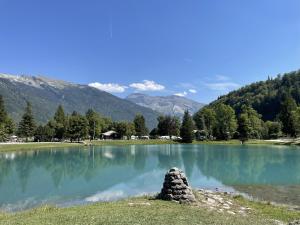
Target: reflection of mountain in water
{"x":68,"y":175}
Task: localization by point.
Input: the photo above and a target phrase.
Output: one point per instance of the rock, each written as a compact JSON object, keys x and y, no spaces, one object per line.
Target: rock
{"x":297,"y":222}
{"x":176,"y":187}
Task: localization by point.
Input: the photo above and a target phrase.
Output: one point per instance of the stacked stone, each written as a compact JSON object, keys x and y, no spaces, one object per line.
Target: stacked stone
{"x":176,"y":187}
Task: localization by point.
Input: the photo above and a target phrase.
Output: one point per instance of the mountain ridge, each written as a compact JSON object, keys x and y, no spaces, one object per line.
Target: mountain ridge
{"x":45,"y":94}
{"x":167,"y":105}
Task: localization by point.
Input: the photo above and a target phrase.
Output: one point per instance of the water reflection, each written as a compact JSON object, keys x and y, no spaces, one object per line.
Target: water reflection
{"x":105,"y":173}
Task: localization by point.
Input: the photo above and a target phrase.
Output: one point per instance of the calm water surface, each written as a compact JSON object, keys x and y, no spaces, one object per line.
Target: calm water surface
{"x":82,"y":175}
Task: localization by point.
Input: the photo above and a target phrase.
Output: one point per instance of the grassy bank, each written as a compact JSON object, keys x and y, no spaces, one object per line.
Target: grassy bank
{"x":44,"y":145}
{"x":145,"y":211}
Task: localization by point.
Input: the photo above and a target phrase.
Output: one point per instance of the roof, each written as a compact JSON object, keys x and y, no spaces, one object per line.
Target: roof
{"x":109,"y":133}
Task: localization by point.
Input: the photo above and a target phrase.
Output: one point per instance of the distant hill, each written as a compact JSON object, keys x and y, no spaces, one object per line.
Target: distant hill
{"x":46,"y":94}
{"x":168,"y":105}
{"x":265,"y":96}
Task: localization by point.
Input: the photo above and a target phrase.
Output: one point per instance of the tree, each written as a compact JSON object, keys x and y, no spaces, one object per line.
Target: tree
{"x":205,"y":119}
{"x":244,"y":127}
{"x":168,"y":126}
{"x":226,"y":123}
{"x":187,"y":128}
{"x":125,"y":129}
{"x":288,"y":106}
{"x":272,"y":130}
{"x":77,"y":127}
{"x":95,"y":123}
{"x":27,"y":125}
{"x":60,"y":126}
{"x":140,"y":125}
{"x":250,"y":124}
{"x":7,"y":125}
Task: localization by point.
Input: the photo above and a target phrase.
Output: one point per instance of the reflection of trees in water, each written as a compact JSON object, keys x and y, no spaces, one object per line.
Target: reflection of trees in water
{"x":248,"y":165}
{"x":168,"y":157}
{"x":64,"y":164}
{"x":189,"y":159}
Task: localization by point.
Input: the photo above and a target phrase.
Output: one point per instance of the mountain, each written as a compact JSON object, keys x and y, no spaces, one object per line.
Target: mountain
{"x":46,"y":94}
{"x":167,"y":105}
{"x":265,"y":96}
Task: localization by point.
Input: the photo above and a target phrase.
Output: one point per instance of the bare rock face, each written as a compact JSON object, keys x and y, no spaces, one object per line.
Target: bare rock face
{"x":176,"y":187}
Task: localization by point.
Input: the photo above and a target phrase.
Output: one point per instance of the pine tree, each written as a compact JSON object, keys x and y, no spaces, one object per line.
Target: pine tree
{"x":140,"y":125}
{"x":27,"y":125}
{"x":187,"y":128}
{"x":60,"y":123}
{"x":6,"y":123}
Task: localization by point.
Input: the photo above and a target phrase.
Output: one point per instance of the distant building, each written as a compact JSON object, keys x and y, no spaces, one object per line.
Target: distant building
{"x":110,"y":135}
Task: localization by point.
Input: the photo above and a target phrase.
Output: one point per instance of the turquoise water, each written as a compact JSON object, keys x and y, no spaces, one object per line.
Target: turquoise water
{"x":83,"y":175}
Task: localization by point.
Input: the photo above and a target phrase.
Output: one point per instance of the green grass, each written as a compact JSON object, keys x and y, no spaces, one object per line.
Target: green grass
{"x":36,"y":145}
{"x":135,"y":211}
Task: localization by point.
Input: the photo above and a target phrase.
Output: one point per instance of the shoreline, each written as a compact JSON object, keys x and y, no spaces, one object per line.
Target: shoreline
{"x":9,"y":147}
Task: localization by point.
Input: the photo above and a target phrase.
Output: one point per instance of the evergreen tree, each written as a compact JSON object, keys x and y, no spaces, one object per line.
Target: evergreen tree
{"x":3,"y":113}
{"x":27,"y":125}
{"x":140,"y":125}
{"x":187,"y":128}
{"x":7,"y":125}
{"x":288,"y":106}
{"x":60,"y":123}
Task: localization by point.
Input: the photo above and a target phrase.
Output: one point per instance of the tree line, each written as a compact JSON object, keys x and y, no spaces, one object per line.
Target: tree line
{"x":222,"y":122}
{"x":76,"y":127}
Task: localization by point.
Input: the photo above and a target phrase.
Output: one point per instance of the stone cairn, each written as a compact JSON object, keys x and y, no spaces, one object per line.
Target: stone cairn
{"x":176,"y":187}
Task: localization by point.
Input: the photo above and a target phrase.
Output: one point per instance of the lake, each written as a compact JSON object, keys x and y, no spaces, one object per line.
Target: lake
{"x":82,"y":175}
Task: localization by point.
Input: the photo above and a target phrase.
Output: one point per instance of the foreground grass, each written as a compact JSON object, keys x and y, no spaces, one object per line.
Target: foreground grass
{"x":145,"y":211}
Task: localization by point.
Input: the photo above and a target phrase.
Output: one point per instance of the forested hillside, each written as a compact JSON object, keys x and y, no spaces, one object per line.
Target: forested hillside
{"x":264,"y":96}
{"x":266,"y":109}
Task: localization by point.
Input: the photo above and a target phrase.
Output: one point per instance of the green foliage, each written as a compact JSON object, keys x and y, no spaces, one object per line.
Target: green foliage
{"x":250,"y":124}
{"x":95,"y":124}
{"x":187,"y":128}
{"x":7,"y":125}
{"x":125,"y":129}
{"x":140,"y":125}
{"x":226,"y":123}
{"x":27,"y":125}
{"x":206,"y":120}
{"x":77,"y":127}
{"x":60,"y":123}
{"x":272,"y":130}
{"x":288,"y":106}
{"x":168,"y":126}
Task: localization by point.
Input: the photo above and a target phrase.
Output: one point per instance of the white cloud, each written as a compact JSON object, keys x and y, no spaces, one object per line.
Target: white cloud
{"x":222,"y":86}
{"x":193,"y":91}
{"x":108,"y":87}
{"x":222,"y":78}
{"x":147,"y":85}
{"x":181,"y":94}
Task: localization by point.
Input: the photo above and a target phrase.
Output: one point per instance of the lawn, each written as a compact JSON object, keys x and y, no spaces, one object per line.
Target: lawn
{"x":143,"y":210}
{"x":46,"y":145}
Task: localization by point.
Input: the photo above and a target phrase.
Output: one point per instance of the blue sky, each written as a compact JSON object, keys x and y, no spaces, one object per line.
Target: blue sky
{"x":197,"y":48}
